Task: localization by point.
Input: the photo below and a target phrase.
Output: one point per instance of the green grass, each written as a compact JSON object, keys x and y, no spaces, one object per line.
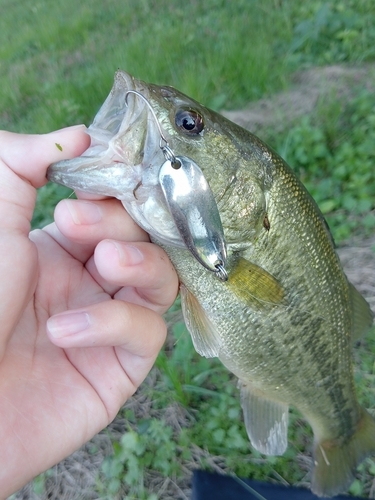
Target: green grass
{"x":60,"y":66}
{"x":57,"y":61}
{"x":332,"y":152}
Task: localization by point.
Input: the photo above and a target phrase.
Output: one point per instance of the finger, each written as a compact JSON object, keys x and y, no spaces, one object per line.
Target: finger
{"x":26,"y":157}
{"x":30,"y":155}
{"x":85,"y":221}
{"x":142,"y":270}
{"x":63,"y":282}
{"x":137,"y":332}
{"x":81,"y":224}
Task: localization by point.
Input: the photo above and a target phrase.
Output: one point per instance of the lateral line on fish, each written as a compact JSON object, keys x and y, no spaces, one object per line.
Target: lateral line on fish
{"x":248,"y":488}
{"x":284,"y":306}
{"x":318,"y":316}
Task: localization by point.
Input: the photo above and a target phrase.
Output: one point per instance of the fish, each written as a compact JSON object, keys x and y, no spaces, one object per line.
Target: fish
{"x":261,"y":285}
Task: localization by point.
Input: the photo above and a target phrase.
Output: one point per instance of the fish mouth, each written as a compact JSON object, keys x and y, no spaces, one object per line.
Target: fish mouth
{"x":117,"y":113}
{"x":122,"y":141}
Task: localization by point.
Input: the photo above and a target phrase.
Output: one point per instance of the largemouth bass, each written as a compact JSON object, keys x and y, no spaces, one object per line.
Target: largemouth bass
{"x":261,"y":285}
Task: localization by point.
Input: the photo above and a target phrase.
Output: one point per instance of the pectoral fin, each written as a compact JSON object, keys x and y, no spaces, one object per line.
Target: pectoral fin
{"x":255,"y":285}
{"x":205,"y":338}
{"x":363,"y":317}
{"x":266,"y":421}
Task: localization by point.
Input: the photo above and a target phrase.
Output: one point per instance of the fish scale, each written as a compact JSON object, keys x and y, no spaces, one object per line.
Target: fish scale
{"x":325,"y":262}
{"x":283,"y":316}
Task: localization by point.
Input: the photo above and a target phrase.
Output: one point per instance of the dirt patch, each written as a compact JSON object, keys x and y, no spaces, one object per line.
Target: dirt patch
{"x":74,"y":478}
{"x":358,"y":260}
{"x":307,"y":89}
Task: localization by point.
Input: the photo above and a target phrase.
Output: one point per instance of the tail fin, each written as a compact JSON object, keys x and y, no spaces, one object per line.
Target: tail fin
{"x":335,"y":465}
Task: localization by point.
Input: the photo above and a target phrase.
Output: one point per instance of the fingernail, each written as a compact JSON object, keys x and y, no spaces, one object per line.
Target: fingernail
{"x":128,"y":254}
{"x":83,"y":212}
{"x":63,"y":325}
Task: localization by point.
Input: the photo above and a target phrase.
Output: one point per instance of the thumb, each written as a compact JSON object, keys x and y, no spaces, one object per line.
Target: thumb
{"x":24,"y":160}
{"x":30,"y":155}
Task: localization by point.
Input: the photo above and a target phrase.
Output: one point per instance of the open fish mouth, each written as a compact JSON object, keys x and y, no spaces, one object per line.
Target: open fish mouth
{"x":123,"y":141}
{"x":116,"y":115}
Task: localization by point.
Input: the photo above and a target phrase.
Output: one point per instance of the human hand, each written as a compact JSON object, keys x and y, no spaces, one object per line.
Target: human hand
{"x":100,"y":298}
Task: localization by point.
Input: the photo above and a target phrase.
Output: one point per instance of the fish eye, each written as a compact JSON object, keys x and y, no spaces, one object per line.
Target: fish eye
{"x":189,"y":121}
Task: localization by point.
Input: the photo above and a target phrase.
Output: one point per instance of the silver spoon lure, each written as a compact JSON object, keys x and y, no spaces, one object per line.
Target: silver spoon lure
{"x":191,"y":204}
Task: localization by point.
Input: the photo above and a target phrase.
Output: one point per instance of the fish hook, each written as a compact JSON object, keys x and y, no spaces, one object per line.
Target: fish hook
{"x":167,"y":151}
{"x":192,"y":208}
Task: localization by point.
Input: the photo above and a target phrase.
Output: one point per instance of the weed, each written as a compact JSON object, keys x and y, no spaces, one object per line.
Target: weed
{"x":334,"y":32}
{"x":150,"y":448}
{"x":335,"y":160}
